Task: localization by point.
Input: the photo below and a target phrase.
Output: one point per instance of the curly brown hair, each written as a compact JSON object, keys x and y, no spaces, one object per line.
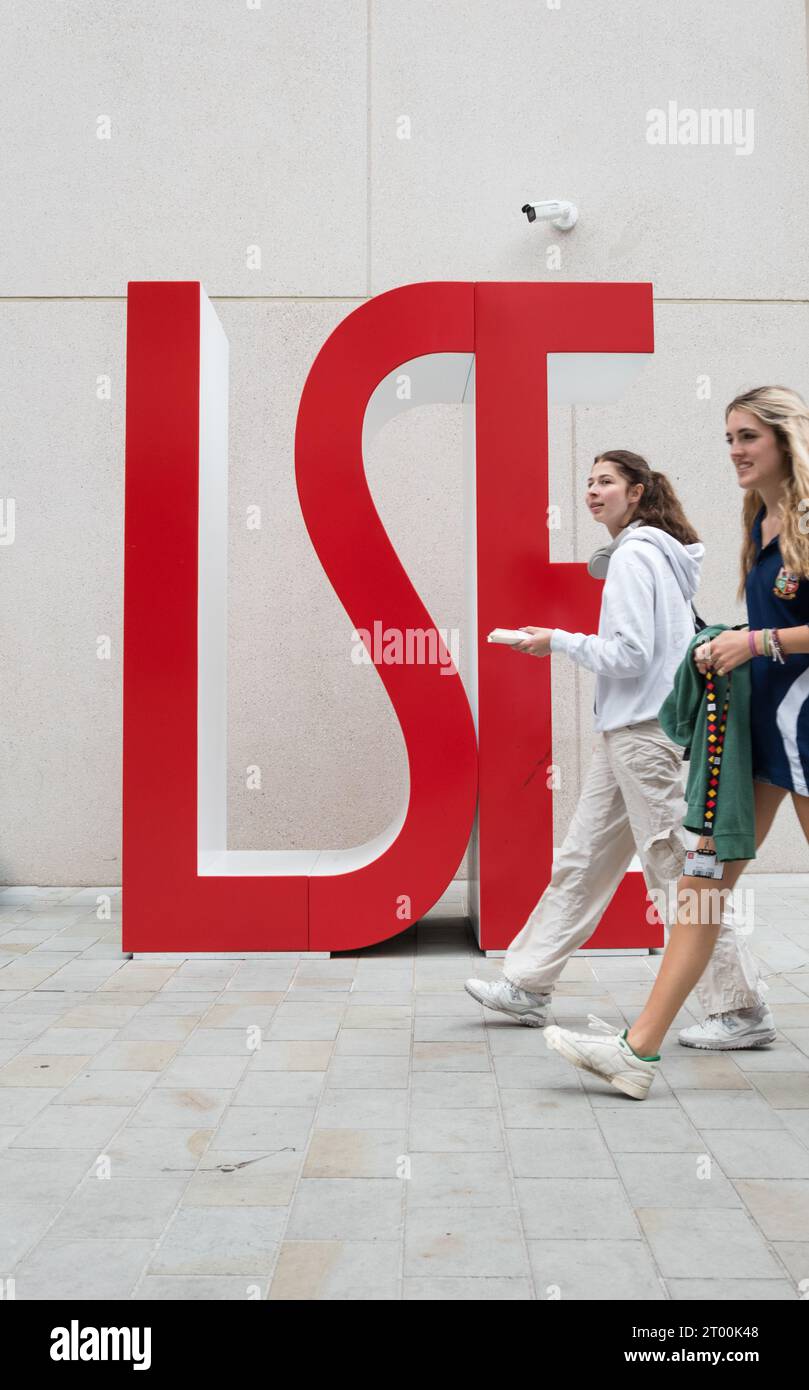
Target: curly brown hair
{"x":659,"y":504}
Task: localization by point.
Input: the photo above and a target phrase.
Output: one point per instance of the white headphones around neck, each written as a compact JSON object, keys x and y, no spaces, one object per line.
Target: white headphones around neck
{"x":599,"y":561}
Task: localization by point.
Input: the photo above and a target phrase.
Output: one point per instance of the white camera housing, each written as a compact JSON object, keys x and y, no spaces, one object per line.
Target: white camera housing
{"x":557,"y":211}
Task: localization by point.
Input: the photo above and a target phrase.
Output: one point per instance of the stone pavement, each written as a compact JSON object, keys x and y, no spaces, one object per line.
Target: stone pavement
{"x":386,"y":1139}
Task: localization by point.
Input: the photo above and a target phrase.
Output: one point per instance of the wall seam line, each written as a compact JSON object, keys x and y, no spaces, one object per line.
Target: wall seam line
{"x":321,"y":298}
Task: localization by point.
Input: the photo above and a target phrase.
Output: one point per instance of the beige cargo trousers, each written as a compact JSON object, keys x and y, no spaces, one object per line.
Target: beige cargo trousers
{"x":631,"y":803}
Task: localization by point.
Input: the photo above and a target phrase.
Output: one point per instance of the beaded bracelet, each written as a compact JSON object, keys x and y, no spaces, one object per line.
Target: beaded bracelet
{"x":777,"y":649}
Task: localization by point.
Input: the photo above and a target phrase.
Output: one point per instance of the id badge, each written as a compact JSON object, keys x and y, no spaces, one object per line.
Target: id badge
{"x":702,"y":863}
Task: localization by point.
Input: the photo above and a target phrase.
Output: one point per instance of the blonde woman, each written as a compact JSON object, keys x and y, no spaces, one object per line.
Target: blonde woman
{"x":767,"y":432}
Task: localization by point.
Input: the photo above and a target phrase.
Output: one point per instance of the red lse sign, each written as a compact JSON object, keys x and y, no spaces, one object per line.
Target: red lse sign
{"x":478,"y":754}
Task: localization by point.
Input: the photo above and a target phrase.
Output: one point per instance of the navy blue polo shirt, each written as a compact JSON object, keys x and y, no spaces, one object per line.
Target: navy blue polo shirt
{"x":780,"y":725}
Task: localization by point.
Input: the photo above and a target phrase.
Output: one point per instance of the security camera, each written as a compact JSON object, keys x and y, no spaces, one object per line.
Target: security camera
{"x":559,"y":213}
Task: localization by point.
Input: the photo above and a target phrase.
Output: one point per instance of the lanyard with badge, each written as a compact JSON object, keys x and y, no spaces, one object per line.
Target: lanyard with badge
{"x":702,"y":863}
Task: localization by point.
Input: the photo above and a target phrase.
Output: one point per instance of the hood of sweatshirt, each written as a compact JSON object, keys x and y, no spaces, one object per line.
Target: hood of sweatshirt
{"x":685,"y":560}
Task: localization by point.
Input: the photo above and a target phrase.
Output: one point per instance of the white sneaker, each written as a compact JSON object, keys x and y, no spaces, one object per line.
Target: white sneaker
{"x":609,"y":1056}
{"x":507,"y":998}
{"x":752,"y":1027}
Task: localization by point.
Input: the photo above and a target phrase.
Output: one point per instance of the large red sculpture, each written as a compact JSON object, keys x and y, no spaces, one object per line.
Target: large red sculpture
{"x":485,"y":745}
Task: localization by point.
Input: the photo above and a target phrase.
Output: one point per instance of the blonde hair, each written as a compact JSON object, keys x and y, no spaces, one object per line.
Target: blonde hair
{"x":788,"y":415}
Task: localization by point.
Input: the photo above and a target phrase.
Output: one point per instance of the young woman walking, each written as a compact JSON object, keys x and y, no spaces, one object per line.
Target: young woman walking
{"x":632,"y":799}
{"x":768,"y":435}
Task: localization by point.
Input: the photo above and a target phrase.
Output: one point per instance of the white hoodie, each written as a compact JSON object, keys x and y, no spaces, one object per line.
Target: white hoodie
{"x":645,"y":625}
